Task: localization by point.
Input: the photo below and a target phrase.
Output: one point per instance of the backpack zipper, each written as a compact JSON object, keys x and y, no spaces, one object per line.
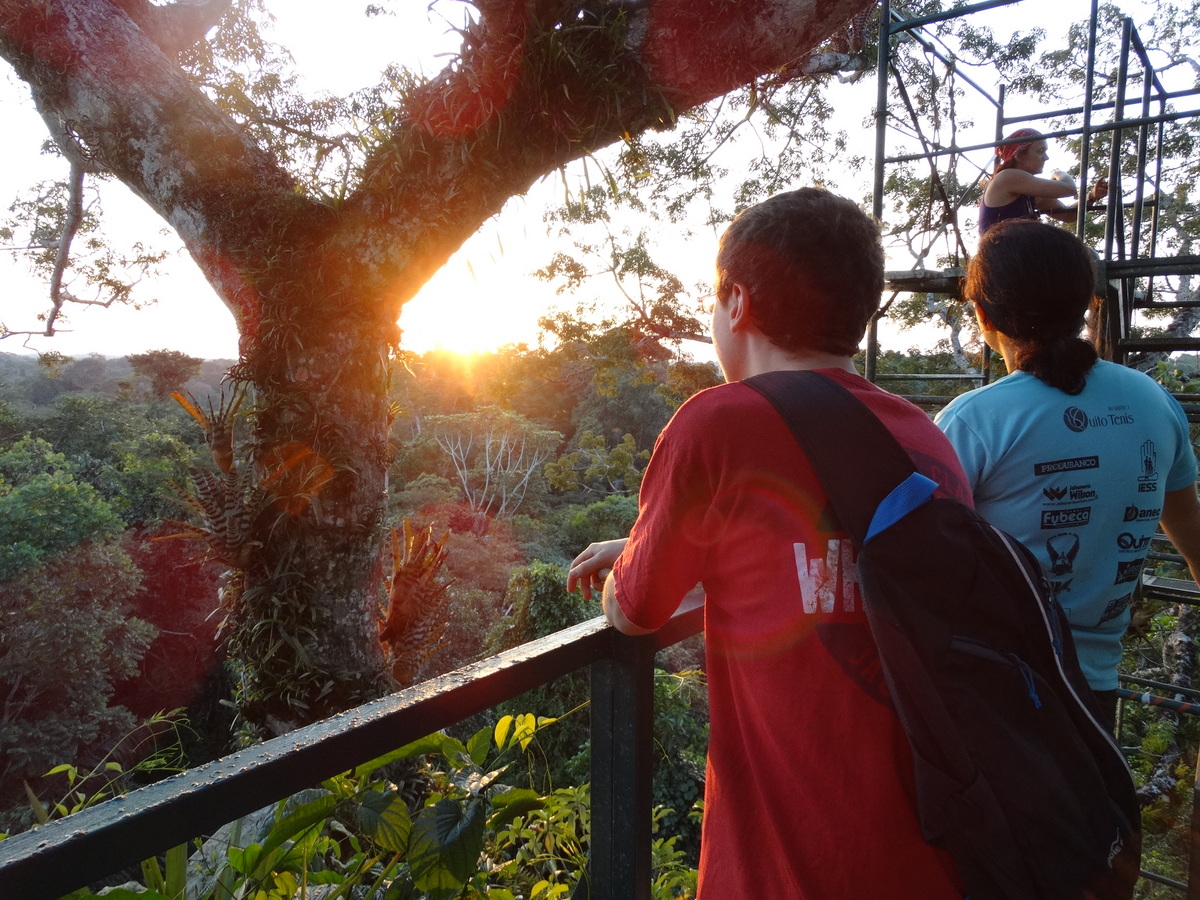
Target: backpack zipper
{"x":987,"y":651}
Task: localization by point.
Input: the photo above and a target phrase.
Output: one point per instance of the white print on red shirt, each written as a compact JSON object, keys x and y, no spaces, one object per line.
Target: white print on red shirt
{"x":819,"y":577}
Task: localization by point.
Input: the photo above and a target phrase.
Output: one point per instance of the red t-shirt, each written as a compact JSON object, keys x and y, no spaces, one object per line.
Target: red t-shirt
{"x":809,"y":791}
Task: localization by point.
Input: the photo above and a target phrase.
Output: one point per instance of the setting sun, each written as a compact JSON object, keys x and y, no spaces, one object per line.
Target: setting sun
{"x":486,"y":296}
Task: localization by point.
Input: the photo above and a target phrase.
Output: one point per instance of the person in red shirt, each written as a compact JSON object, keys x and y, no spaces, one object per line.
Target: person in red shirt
{"x":809,"y":788}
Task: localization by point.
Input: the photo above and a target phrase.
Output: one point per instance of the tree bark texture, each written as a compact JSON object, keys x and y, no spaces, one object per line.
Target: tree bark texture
{"x":316,"y":286}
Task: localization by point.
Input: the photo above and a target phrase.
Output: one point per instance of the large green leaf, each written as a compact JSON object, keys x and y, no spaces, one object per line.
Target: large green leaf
{"x":478,"y":745}
{"x":445,"y":844}
{"x":431,"y":743}
{"x":384,"y":816}
{"x":513,"y":803}
{"x":303,"y":812}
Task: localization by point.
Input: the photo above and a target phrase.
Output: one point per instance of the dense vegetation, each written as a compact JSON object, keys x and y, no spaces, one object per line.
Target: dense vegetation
{"x":104,"y":586}
{"x":122,"y":513}
{"x":96,"y":466}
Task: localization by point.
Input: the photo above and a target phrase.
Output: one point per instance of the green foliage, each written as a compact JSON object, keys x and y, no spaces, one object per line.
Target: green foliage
{"x":680,"y":745}
{"x":67,"y":640}
{"x":98,"y":267}
{"x":166,"y":370}
{"x":686,"y":377}
{"x":152,"y":754}
{"x":1174,"y":377}
{"x":540,"y":605}
{"x":139,"y":483}
{"x":472,"y":835}
{"x":625,"y":399}
{"x":604,"y":520}
{"x":901,"y":373}
{"x":594,"y":467}
{"x":44,"y":510}
{"x":423,"y":491}
{"x":126,"y":451}
{"x":30,"y":457}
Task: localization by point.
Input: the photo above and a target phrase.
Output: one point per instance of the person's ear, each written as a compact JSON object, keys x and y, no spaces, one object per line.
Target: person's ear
{"x":981,"y":316}
{"x":739,"y":307}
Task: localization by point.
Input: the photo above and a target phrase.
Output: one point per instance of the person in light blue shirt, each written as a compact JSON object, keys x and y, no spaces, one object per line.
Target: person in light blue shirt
{"x":1078,"y":458}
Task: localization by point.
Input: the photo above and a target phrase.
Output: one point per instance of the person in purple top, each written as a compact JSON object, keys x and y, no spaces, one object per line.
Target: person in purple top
{"x":1016,"y":190}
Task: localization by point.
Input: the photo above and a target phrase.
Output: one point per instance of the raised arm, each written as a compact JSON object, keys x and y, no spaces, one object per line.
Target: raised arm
{"x":1008,"y":184}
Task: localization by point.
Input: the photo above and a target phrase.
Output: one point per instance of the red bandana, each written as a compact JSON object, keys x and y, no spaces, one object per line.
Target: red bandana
{"x":1006,"y":152}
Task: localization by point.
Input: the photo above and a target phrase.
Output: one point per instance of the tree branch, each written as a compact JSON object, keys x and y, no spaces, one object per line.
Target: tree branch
{"x":176,"y":26}
{"x":517,"y":105}
{"x":536,"y":86}
{"x":74,"y":217}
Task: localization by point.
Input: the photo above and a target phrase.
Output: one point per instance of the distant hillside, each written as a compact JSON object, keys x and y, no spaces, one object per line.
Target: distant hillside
{"x":24,"y":382}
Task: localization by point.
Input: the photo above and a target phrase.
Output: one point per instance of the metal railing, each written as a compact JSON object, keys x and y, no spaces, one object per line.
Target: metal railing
{"x":67,"y":854}
{"x":70,"y":853}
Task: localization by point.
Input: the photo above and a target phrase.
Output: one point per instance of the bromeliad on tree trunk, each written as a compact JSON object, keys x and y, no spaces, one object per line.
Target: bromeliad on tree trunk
{"x":415,"y":619}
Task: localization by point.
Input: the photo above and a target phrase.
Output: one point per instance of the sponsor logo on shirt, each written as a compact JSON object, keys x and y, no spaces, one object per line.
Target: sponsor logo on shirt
{"x":819,"y":577}
{"x":1075,"y":418}
{"x":1115,"y":608}
{"x":1078,"y":421}
{"x":1137,"y":514}
{"x":1075,"y":493}
{"x":1054,"y":467}
{"x":1127,"y":542}
{"x":1148,"y":480}
{"x":1127,"y":572}
{"x":1066,"y":518}
{"x":1062,"y":550}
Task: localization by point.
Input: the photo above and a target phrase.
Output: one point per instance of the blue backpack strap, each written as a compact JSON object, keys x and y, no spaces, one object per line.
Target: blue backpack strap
{"x":869,"y":477}
{"x":912,"y":492}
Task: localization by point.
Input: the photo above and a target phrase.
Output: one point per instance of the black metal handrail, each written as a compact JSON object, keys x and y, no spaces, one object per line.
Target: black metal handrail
{"x":69,"y":853}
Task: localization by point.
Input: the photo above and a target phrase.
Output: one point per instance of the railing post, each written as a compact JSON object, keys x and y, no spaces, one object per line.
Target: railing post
{"x":1193,"y":882}
{"x":622,"y":710}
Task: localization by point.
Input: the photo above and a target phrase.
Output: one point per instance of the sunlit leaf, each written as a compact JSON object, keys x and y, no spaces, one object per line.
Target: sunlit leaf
{"x":431,"y":743}
{"x":478,"y":745}
{"x":510,"y":804}
{"x":502,"y":729}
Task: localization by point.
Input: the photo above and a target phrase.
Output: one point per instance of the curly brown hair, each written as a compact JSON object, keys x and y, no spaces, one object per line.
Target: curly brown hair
{"x":813,"y":263}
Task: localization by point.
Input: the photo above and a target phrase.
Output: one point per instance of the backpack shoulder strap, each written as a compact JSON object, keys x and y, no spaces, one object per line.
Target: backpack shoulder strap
{"x":870,"y":479}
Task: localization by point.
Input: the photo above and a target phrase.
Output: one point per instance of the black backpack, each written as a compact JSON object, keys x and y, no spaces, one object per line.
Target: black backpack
{"x":1015,"y":776}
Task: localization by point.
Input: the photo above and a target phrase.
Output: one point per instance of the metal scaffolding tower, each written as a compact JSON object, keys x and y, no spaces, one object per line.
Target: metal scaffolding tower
{"x":1124,"y":138}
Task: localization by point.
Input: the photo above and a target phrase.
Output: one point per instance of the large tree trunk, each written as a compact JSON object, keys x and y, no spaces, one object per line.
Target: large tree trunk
{"x":317,"y":290}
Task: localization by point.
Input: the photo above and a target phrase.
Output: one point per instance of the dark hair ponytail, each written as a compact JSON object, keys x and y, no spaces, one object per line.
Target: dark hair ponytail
{"x":1036,"y":282}
{"x":1061,"y":361}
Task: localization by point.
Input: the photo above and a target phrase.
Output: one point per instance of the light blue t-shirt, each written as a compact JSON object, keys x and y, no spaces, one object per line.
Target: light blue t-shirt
{"x":1080,"y":482}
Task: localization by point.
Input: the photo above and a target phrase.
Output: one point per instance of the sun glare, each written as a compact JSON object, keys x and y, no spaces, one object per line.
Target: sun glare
{"x":478,"y":319}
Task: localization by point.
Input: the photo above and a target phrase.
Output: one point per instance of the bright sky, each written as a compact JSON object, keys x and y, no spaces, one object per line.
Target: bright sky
{"x":483,"y":298}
